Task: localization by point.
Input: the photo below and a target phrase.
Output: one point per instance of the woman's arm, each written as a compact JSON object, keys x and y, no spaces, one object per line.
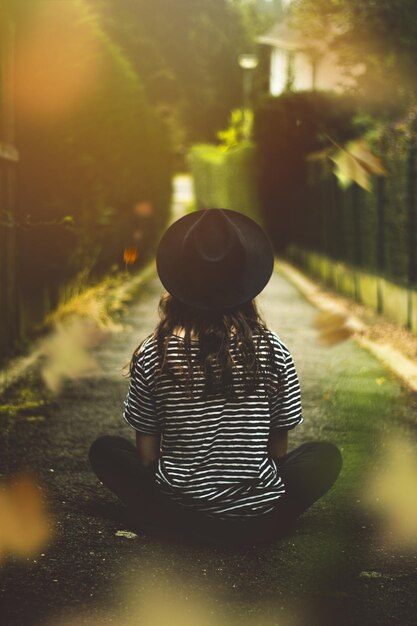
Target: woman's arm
{"x":278,"y":443}
{"x":149,"y":448}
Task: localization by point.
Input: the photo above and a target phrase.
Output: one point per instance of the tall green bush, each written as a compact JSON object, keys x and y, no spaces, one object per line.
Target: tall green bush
{"x":373,"y":230}
{"x":226,"y":178}
{"x":286,"y":129}
{"x":83,"y":172}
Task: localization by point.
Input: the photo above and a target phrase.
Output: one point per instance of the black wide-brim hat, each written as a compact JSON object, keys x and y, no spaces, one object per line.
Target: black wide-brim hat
{"x":214,"y":259}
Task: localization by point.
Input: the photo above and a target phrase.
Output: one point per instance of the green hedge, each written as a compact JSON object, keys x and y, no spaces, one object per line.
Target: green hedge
{"x":370,"y":230}
{"x":83,"y":171}
{"x":286,"y":129}
{"x":226,"y":179}
{"x":302,"y":202}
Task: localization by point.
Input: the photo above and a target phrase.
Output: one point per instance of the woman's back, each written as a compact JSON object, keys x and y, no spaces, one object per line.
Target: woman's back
{"x":214,"y":451}
{"x":211,"y":408}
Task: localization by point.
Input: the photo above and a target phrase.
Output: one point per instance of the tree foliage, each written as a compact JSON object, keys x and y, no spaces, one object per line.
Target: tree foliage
{"x":259,"y":15}
{"x":185,"y":53}
{"x":85,"y":166}
{"x":380,"y":35}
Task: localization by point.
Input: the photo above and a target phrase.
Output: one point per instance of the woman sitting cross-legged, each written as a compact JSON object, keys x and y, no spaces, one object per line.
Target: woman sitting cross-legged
{"x":213,"y":393}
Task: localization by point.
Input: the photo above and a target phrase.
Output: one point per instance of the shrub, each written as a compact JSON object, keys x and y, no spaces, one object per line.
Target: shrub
{"x":83,"y":171}
{"x":226,"y":179}
{"x":286,"y":129}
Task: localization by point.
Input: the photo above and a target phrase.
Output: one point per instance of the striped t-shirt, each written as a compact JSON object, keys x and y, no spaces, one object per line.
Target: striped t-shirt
{"x":214,"y":451}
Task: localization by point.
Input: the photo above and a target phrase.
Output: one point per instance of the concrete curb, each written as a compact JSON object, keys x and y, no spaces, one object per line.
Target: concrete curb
{"x":401,"y":365}
{"x":18,"y":366}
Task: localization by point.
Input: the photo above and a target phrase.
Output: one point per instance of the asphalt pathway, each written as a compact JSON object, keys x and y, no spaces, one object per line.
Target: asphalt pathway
{"x":331,"y":571}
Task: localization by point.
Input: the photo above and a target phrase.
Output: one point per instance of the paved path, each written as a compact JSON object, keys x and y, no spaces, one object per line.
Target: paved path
{"x":310,"y":578}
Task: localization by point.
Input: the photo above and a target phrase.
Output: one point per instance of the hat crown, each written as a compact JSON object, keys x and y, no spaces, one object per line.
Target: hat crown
{"x":213,"y":240}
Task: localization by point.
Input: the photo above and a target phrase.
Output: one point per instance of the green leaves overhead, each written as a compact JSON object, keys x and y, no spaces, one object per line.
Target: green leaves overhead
{"x":381,"y":35}
{"x":185,"y":52}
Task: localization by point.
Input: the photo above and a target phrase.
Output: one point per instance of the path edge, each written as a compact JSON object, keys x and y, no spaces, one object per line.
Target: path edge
{"x":18,"y":366}
{"x":397,"y":362}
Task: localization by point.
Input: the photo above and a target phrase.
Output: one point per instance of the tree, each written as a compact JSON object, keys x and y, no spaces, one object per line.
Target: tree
{"x":259,"y":15}
{"x":380,"y":35}
{"x":93,"y":153}
{"x":185,"y":53}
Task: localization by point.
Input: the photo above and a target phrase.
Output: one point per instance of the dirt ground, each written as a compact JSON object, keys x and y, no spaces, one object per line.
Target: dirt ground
{"x":335,"y":569}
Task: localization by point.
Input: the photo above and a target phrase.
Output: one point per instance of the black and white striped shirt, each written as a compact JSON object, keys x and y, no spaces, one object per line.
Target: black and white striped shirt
{"x":214,"y":451}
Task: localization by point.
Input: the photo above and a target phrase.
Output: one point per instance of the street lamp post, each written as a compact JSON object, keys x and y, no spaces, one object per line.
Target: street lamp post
{"x":248,"y":62}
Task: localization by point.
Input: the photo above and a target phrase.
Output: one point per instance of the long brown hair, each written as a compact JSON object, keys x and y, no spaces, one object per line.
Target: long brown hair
{"x":212,"y":331}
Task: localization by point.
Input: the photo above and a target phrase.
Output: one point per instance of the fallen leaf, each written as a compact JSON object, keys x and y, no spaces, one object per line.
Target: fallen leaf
{"x":370,"y":575}
{"x":333,"y":327}
{"x":126,"y":534}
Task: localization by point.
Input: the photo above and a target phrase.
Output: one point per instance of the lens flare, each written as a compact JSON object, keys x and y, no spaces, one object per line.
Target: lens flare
{"x":24,"y":525}
{"x":143,"y":209}
{"x":57,"y":61}
{"x":390,"y":493}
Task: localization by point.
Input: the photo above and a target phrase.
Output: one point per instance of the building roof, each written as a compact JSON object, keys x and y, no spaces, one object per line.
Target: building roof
{"x":286,"y":37}
{"x":281,"y":35}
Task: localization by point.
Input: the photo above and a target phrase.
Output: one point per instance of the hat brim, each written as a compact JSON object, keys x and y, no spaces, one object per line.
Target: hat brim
{"x":258,"y":269}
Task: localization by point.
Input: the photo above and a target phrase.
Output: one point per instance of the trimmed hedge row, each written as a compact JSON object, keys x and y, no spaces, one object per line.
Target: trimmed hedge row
{"x":303,"y":203}
{"x":397,"y":302}
{"x":286,"y":129}
{"x":375,"y":231}
{"x":226,"y":179}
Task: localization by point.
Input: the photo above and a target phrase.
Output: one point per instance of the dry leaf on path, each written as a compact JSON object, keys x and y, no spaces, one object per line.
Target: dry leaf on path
{"x":333,"y":327}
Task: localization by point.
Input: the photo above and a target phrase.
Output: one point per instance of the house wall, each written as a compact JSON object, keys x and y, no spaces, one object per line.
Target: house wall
{"x":298,"y":66}
{"x":303,"y":72}
{"x":329,"y":74}
{"x":279,"y":71}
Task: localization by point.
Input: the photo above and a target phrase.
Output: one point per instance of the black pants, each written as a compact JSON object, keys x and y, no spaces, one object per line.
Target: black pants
{"x":308,"y":472}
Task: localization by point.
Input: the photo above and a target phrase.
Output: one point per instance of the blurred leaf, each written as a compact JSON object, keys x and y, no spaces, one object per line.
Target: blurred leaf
{"x":321,"y":155}
{"x":144,"y":209}
{"x":24,"y":525}
{"x":361,"y":151}
{"x":68,"y":219}
{"x":349,"y":170}
{"x":356,"y":163}
{"x":390,"y":492}
{"x":130,"y":255}
{"x":66,"y":352}
{"x":127,"y":534}
{"x":332,"y":327}
{"x":370,"y":575}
